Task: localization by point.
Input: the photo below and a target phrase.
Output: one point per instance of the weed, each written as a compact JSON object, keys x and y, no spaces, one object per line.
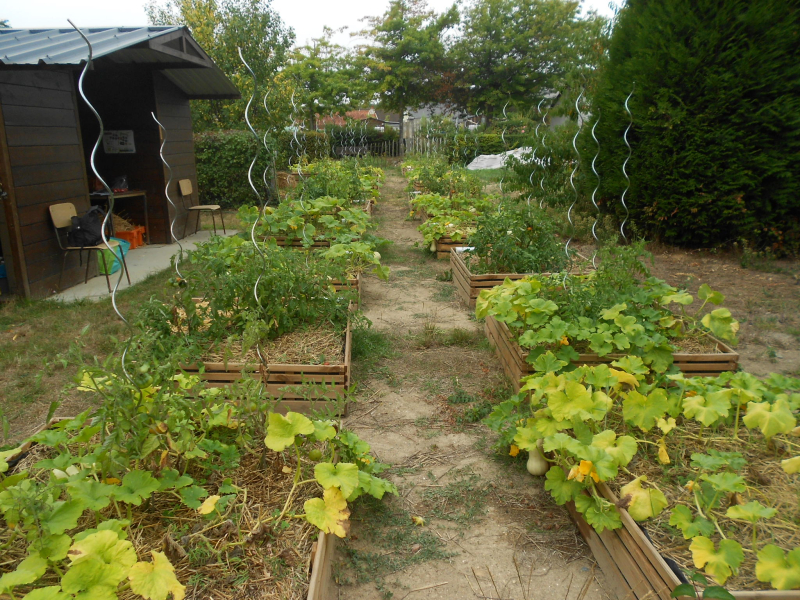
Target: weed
{"x":460,"y":397}
{"x":445,"y":276}
{"x":432,"y":386}
{"x":370,"y":347}
{"x":445,"y":293}
{"x":394,"y":536}
{"x":461,"y":501}
{"x":473,"y":414}
{"x":463,"y":337}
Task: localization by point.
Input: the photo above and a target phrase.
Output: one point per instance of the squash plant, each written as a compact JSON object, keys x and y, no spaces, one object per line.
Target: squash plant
{"x":324,"y":218}
{"x":594,"y":421}
{"x":436,"y":204}
{"x":345,"y":178}
{"x":604,"y":312}
{"x":354,"y":258}
{"x":455,"y":224}
{"x":433,"y":174}
{"x":72,"y":511}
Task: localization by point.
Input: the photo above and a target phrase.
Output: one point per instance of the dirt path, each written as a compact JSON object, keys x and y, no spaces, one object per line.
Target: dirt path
{"x":490,"y":529}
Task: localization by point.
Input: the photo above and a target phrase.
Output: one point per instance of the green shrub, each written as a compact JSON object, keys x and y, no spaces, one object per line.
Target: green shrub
{"x":223,"y":159}
{"x":515,"y":239}
{"x":716,"y":133}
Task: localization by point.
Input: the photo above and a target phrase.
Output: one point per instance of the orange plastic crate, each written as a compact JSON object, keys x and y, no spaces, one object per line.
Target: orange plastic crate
{"x":135,"y":237}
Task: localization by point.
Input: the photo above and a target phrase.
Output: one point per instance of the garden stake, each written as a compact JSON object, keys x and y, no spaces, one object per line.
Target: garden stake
{"x":110,"y":193}
{"x":572,"y":183}
{"x":163,"y":131}
{"x":624,"y":172}
{"x":594,"y":192}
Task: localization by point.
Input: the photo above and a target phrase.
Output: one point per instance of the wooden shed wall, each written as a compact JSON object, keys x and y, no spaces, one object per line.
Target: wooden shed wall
{"x":125,"y":97}
{"x":175,"y":114}
{"x":45,"y":160}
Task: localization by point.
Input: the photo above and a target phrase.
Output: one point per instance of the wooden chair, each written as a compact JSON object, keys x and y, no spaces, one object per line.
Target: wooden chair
{"x":185,"y":187}
{"x":61,"y":216}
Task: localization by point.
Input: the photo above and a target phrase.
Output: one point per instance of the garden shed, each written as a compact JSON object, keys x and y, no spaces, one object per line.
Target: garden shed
{"x":47,"y":134}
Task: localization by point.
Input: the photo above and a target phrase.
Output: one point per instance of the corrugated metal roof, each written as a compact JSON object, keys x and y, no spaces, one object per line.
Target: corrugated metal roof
{"x":119,"y":45}
{"x":66,"y":47}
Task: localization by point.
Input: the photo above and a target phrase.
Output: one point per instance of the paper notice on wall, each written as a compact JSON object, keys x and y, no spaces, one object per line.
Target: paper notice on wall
{"x":119,"y":141}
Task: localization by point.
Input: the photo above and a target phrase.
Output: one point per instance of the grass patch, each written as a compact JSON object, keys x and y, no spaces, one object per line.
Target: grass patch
{"x":42,"y":342}
{"x":445,"y":293}
{"x":370,"y":349}
{"x":397,"y":543}
{"x":462,"y":501}
{"x":490,"y":175}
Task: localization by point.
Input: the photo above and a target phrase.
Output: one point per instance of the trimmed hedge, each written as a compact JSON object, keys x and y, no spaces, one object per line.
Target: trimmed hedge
{"x":223,"y":159}
{"x":716,"y":132}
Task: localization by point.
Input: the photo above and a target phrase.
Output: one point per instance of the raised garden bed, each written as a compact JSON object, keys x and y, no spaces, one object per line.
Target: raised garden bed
{"x":321,"y":583}
{"x":353,"y":283}
{"x":445,"y":245}
{"x":633,"y":565}
{"x":515,"y":365}
{"x":468,"y":285}
{"x":302,"y":387}
{"x":285,"y":242}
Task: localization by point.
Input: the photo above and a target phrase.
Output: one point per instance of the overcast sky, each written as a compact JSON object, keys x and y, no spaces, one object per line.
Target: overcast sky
{"x":307,"y":17}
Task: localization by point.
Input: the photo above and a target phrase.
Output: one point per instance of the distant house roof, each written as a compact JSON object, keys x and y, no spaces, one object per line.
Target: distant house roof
{"x":168,"y":48}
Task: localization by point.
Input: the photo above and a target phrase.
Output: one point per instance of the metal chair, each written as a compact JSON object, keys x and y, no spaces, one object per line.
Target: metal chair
{"x":61,"y":216}
{"x":185,"y":188}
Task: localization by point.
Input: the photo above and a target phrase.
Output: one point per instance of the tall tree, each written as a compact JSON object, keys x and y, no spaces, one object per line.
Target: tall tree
{"x":327,"y":77}
{"x":221,"y":27}
{"x":514,"y":50}
{"x":716,"y":120}
{"x":407,"y":56}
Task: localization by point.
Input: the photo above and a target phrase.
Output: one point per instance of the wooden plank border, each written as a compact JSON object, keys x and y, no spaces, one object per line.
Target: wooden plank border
{"x":298,"y":387}
{"x":514,"y":359}
{"x":321,"y":585}
{"x":469,"y":286}
{"x":632,"y":563}
{"x":444,"y":246}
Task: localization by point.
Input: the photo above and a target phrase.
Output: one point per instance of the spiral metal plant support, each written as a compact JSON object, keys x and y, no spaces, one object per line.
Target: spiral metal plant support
{"x":269,"y":185}
{"x":594,"y":192}
{"x":625,"y":164}
{"x":535,"y":160}
{"x":163,"y":131}
{"x":110,"y":193}
{"x":572,"y":178}
{"x":262,"y":207}
{"x":545,"y":158}
{"x":505,"y":147}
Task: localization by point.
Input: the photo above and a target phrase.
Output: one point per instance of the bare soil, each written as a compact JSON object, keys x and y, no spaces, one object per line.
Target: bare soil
{"x":505,"y":537}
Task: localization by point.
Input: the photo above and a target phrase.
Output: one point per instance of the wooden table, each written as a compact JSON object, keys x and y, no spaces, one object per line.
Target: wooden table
{"x":102,"y":196}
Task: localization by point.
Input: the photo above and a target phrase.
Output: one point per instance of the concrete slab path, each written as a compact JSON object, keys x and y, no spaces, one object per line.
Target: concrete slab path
{"x":142,"y":262}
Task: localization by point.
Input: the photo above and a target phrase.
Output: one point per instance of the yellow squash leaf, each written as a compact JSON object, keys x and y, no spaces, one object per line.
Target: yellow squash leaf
{"x":156,"y":580}
{"x":208,"y":505}
{"x":663,"y":455}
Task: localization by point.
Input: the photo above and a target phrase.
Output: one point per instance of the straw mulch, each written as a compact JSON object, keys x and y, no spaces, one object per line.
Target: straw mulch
{"x":766,"y":482}
{"x":228,"y":556}
{"x":315,"y":346}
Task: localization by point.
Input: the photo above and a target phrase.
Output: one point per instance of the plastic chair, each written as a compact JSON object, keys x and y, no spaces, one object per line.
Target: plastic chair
{"x":185,"y":187}
{"x":61,"y":216}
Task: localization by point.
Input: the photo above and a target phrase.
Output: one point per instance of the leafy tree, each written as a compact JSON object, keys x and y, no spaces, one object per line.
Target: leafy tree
{"x":326,"y":75}
{"x":4,"y":24}
{"x":513,"y":50}
{"x":221,"y":27}
{"x":716,"y":120}
{"x":407,"y":57}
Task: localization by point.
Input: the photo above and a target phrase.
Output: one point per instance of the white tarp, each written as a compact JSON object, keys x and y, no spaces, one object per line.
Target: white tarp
{"x":496,"y":161}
